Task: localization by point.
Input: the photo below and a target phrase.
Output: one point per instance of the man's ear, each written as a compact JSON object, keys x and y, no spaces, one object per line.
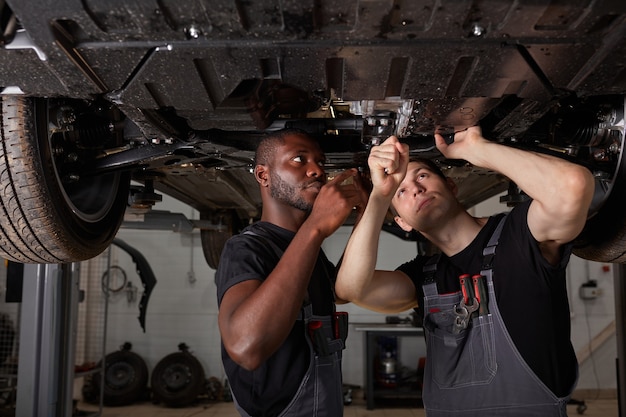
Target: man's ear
{"x":403,"y":225}
{"x":261,"y":174}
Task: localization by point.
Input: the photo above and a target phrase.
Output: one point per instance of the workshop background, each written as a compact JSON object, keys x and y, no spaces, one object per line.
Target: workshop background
{"x":182,"y":306}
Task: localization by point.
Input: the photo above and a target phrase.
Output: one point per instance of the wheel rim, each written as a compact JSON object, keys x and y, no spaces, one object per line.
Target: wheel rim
{"x":176,"y":377}
{"x":612,"y":137}
{"x":119,"y":376}
{"x":90,"y":198}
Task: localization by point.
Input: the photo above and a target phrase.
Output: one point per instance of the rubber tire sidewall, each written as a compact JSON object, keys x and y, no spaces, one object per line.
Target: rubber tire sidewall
{"x":38,"y":224}
{"x":137,"y":387}
{"x":603,"y":238}
{"x":189,"y":392}
{"x":213,"y":241}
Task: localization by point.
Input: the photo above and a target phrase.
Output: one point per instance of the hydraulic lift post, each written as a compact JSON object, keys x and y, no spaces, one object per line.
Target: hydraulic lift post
{"x":47,"y":340}
{"x":619,"y":284}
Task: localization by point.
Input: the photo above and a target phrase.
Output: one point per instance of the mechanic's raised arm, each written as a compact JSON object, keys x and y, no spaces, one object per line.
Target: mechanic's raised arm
{"x":256,"y":317}
{"x":358,"y":281}
{"x":561,"y":191}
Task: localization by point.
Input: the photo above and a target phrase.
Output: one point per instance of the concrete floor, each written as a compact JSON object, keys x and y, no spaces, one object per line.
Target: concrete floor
{"x":595,"y":407}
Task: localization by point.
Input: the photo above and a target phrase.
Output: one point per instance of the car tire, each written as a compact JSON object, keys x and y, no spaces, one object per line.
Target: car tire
{"x":603,"y":238}
{"x":125,"y":378}
{"x":42,"y":218}
{"x":178,"y":379}
{"x":213,"y":240}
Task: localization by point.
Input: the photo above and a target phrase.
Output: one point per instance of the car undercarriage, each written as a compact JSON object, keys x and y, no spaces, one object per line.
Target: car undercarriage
{"x":175,"y":95}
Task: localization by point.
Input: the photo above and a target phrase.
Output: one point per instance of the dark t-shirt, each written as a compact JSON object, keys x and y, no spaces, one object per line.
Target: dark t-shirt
{"x":531,"y":295}
{"x":267,"y":390}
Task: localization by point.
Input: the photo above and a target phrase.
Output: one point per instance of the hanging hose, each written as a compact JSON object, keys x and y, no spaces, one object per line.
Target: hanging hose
{"x":106,"y":280}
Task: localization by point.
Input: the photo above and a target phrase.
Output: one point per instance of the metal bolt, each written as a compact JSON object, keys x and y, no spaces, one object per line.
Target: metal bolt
{"x":614,"y":148}
{"x":599,"y":155}
{"x":193,"y":32}
{"x":477,"y":30}
{"x":66,"y":116}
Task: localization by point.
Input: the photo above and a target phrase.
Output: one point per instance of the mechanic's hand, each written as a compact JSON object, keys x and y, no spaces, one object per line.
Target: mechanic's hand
{"x":388,"y":162}
{"x":466,"y":143}
{"x":336,"y":200}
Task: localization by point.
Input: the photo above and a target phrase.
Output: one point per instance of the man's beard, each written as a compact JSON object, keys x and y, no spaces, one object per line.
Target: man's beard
{"x":288,"y":194}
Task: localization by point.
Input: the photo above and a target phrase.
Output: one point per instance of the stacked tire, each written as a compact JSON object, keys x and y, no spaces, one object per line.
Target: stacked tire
{"x":178,"y":379}
{"x":125,"y":379}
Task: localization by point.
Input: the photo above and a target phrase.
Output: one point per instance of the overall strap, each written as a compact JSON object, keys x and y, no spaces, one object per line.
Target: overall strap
{"x":490,"y":250}
{"x":429,"y":270}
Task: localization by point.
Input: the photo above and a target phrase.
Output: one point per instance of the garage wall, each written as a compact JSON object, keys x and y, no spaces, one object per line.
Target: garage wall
{"x":182,"y":307}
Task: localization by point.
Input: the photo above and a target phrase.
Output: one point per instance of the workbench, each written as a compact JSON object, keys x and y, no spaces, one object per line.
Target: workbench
{"x":372,"y":332}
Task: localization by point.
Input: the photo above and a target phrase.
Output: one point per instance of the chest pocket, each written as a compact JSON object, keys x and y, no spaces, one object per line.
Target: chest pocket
{"x":460,"y":357}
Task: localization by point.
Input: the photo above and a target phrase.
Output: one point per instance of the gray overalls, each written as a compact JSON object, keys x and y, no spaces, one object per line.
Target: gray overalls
{"x":477,"y":370}
{"x":320,"y":393}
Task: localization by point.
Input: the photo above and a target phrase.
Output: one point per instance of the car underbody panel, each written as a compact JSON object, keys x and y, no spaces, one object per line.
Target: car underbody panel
{"x":199,"y":82}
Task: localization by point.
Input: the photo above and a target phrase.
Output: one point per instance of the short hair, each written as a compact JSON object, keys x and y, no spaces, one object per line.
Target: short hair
{"x":431,"y":166}
{"x":266,"y":148}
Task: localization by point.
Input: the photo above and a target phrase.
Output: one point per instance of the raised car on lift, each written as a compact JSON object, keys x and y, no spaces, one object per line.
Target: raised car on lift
{"x":172,"y":97}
